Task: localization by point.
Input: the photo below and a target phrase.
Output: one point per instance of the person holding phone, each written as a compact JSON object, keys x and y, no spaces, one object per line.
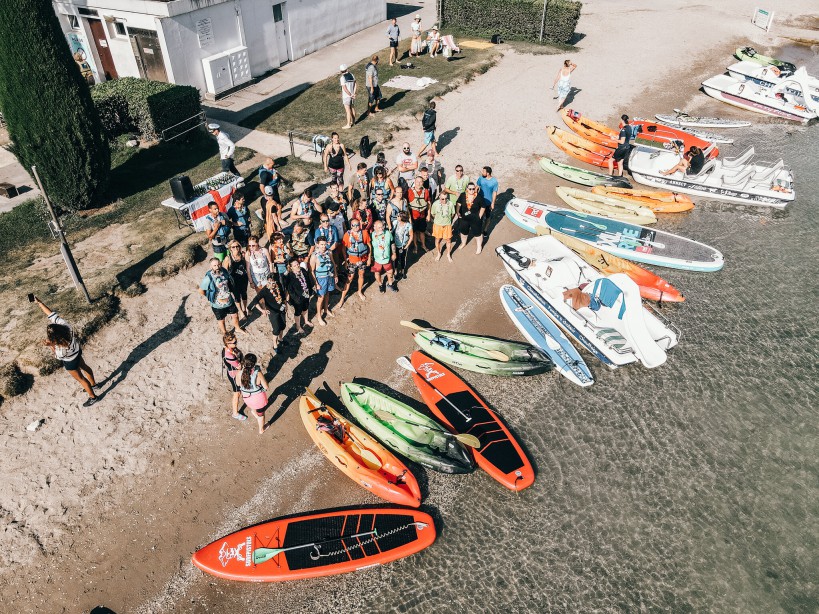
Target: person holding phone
{"x":63,"y":342}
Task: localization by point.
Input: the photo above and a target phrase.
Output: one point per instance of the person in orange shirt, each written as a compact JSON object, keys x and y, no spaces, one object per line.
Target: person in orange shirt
{"x":358,"y":249}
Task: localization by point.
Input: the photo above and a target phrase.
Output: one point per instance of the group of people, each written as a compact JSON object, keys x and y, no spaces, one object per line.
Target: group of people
{"x":368,"y":222}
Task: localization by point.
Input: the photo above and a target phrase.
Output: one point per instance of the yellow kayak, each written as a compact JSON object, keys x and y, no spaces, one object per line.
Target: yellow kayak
{"x":612,"y":208}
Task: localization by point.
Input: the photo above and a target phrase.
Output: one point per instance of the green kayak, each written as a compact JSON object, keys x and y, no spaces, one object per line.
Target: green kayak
{"x":786,"y":69}
{"x":406,"y":431}
{"x":483,"y":354}
{"x":583,"y":177}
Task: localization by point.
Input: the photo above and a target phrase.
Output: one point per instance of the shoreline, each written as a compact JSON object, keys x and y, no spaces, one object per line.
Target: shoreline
{"x":148,"y":504}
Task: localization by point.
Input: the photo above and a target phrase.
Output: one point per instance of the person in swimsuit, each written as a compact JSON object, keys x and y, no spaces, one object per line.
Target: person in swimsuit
{"x":300,"y":245}
{"x":280,"y":255}
{"x":471,"y":208}
{"x":359,"y":256}
{"x":299,"y":288}
{"x":563,"y":82}
{"x":690,"y":164}
{"x":258,"y":263}
{"x":324,"y":272}
{"x":335,"y":156}
{"x":216,"y":288}
{"x":232,"y":364}
{"x":236,"y":265}
{"x":272,"y":304}
{"x":253,"y":387}
{"x":63,"y":342}
{"x":402,"y":238}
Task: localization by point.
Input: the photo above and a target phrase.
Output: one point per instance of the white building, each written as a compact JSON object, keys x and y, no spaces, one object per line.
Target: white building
{"x":214,"y":45}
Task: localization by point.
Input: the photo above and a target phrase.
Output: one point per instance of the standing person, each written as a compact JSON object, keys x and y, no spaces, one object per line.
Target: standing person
{"x":217,"y":227}
{"x":299,"y":288}
{"x":488,"y":187}
{"x":406,"y":163}
{"x":434,"y":167}
{"x":239,"y":216}
{"x":335,"y":155}
{"x":280,"y":255}
{"x":305,"y":209}
{"x":471,"y":208}
{"x":429,"y":182}
{"x":271,"y":303}
{"x":393,"y":34}
{"x":348,"y":89}
{"x":456,"y":185}
{"x":324,"y":272}
{"x":359,"y":184}
{"x":253,"y":387}
{"x":272,"y":216}
{"x":442,"y":214}
{"x":563,"y":82}
{"x":232,"y":365}
{"x":258,"y":263}
{"x":380,"y":161}
{"x":363,"y":214}
{"x":402,"y":237}
{"x":374,"y":91}
{"x":379,"y":205}
{"x":335,"y":208}
{"x":359,"y":257}
{"x":216,"y":288}
{"x":625,"y":140}
{"x":381,"y":182}
{"x":226,"y":149}
{"x":328,"y":232}
{"x":418,"y":199}
{"x":300,"y":245}
{"x":236,"y":266}
{"x":428,"y":122}
{"x":397,"y":204}
{"x":416,"y":44}
{"x":268,"y":176}
{"x":63,"y":342}
{"x":383,"y":256}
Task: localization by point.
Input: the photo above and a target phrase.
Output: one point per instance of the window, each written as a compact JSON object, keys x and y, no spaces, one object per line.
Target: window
{"x":119,"y":28}
{"x":73,"y":22}
{"x":277,"y":13}
{"x":88,"y":12}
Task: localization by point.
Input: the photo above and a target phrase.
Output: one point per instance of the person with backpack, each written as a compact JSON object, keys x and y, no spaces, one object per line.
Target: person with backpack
{"x":268,"y":176}
{"x":217,"y":288}
{"x":348,"y":88}
{"x":428,"y":125}
{"x":239,"y":216}
{"x":374,"y":91}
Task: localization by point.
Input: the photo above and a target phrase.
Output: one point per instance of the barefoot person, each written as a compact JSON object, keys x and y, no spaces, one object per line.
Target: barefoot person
{"x":63,"y":342}
{"x":253,"y":387}
{"x":299,"y":289}
{"x":373,"y":90}
{"x":217,"y":228}
{"x":216,"y":287}
{"x":272,"y":304}
{"x":442,"y":213}
{"x":326,"y":277}
{"x":471,"y":208}
{"x":359,"y":256}
{"x":335,"y":155}
{"x":418,"y":199}
{"x":563,"y":82}
{"x":232,"y":364}
{"x":394,"y":34}
{"x":402,"y":237}
{"x":348,"y":88}
{"x":690,"y":164}
{"x":258,"y":263}
{"x":236,"y":265}
{"x":383,"y":256}
{"x":396,"y":205}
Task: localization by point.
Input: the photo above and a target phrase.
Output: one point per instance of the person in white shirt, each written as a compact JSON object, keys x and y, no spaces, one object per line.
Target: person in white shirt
{"x":348,"y":87}
{"x":226,"y":149}
{"x":406,"y":163}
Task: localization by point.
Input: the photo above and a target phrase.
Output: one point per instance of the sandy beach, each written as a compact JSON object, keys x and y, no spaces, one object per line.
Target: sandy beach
{"x":105,"y":506}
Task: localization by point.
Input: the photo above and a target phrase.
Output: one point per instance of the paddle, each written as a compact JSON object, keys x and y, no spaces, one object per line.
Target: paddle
{"x":262,"y":555}
{"x":369,"y":458}
{"x":404,"y":362}
{"x":467,"y":440}
{"x":494,"y":354}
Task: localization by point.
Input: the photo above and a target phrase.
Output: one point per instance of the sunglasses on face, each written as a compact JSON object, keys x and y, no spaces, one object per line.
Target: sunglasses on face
{"x":459,"y":170}
{"x":470,"y":189}
{"x":324,"y":221}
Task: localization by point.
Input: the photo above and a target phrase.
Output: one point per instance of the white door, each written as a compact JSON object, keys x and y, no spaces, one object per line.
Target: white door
{"x":280,"y":19}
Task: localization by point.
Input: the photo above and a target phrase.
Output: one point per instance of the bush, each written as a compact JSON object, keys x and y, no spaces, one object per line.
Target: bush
{"x":513,"y":19}
{"x":148,"y":107}
{"x":51,"y":119}
{"x":13,"y":382}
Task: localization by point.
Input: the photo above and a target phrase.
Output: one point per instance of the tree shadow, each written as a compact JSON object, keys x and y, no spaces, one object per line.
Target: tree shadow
{"x":133,"y":274}
{"x":446,"y":137}
{"x":304,"y":373}
{"x":570,"y":96}
{"x":500,"y":209}
{"x":177,"y":324}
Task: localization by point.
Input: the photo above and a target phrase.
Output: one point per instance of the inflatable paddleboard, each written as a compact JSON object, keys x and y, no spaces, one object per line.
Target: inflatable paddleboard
{"x":582,"y":176}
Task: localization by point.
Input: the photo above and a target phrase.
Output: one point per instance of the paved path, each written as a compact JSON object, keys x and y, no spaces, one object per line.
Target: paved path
{"x":12,"y":172}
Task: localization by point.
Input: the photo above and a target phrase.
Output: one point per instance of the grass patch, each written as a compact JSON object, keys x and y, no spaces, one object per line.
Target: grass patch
{"x":318,"y":109}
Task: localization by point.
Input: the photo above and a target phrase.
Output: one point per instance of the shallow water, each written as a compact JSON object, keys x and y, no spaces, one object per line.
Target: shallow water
{"x":689,"y":488}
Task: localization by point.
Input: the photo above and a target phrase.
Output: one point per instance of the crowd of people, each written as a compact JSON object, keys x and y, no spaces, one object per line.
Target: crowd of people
{"x":363,"y":232}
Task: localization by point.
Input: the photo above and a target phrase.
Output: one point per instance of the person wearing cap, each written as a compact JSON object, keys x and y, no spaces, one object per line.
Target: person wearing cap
{"x":415,"y":46}
{"x":434,"y":41}
{"x":348,"y":87}
{"x":393,"y":33}
{"x":226,"y":149}
{"x":371,"y":70}
{"x":272,"y":211}
{"x":268,"y":176}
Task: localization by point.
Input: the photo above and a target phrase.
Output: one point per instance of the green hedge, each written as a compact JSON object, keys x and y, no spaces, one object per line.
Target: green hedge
{"x":513,"y":19}
{"x":138,"y":105}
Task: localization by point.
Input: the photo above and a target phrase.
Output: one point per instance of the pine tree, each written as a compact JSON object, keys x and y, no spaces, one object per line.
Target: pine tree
{"x":51,"y":119}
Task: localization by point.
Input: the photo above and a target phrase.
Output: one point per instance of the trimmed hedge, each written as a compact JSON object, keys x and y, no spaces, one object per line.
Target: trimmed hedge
{"x":139,"y":105}
{"x":513,"y":19}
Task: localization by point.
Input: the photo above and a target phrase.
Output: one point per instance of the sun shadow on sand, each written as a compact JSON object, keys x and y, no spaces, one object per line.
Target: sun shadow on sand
{"x":304,"y":373}
{"x":570,"y":96}
{"x":500,"y":209}
{"x":177,"y":324}
{"x":446,"y":137}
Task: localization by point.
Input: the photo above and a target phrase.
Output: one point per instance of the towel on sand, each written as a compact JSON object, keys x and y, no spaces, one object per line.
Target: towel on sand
{"x":405,"y":82}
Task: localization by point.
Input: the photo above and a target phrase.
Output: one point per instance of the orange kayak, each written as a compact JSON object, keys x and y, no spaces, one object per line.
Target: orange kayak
{"x":360,"y":457}
{"x":659,"y":135}
{"x":453,"y":402}
{"x":318,"y":544}
{"x":652,"y":287}
{"x":658,"y":202}
{"x":580,"y":148}
{"x":589,"y":129}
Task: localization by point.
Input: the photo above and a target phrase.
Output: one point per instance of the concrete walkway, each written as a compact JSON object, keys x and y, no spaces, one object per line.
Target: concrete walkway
{"x":12,"y":172}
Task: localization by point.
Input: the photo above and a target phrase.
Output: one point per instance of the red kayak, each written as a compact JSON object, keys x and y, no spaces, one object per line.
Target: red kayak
{"x":658,"y":135}
{"x":462,"y":411}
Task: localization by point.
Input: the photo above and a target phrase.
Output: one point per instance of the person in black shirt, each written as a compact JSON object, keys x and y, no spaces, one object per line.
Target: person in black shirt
{"x":299,"y":286}
{"x":690,"y":164}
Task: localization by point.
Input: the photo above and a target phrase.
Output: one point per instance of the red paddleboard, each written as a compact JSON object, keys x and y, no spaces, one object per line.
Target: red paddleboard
{"x":321,"y":544}
{"x":463,"y":411}
{"x":659,"y":135}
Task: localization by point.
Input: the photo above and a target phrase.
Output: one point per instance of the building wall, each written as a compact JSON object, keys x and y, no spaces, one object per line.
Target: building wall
{"x":318,"y":23}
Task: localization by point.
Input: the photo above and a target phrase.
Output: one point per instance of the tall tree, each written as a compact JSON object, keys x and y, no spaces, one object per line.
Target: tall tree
{"x":51,"y":119}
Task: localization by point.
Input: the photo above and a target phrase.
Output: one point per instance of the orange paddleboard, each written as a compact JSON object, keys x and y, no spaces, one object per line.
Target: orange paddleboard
{"x":659,"y":135}
{"x":359,"y":456}
{"x":319,"y":544}
{"x":580,"y":148}
{"x":652,"y":287}
{"x":658,"y":202}
{"x":463,"y":412}
{"x":589,"y":129}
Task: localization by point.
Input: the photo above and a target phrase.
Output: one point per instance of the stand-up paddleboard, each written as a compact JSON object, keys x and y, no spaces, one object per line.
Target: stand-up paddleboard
{"x":681,"y":119}
{"x":455,"y":404}
{"x":542,"y":332}
{"x":582,"y":176}
{"x":319,"y":544}
{"x":528,"y":214}
{"x":636,"y":243}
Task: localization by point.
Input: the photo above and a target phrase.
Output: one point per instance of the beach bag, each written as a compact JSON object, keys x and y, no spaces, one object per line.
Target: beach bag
{"x":320,"y":142}
{"x":496,"y":39}
{"x":364,"y":147}
{"x":447,"y":52}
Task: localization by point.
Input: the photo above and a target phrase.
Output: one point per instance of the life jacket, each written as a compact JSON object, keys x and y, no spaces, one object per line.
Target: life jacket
{"x":324,"y":266}
{"x":213,"y":289}
{"x":395,"y":211}
{"x":605,"y":293}
{"x":221,"y":236}
{"x":254,"y":384}
{"x":298,"y":243}
{"x":333,"y":427}
{"x":357,"y":249}
{"x":384,"y":188}
{"x":275,"y":176}
{"x":231,"y":363}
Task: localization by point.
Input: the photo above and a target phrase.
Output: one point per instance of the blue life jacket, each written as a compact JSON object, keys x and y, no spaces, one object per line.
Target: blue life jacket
{"x":325,"y":265}
{"x":224,"y":230}
{"x":274,"y":176}
{"x":605,"y":293}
